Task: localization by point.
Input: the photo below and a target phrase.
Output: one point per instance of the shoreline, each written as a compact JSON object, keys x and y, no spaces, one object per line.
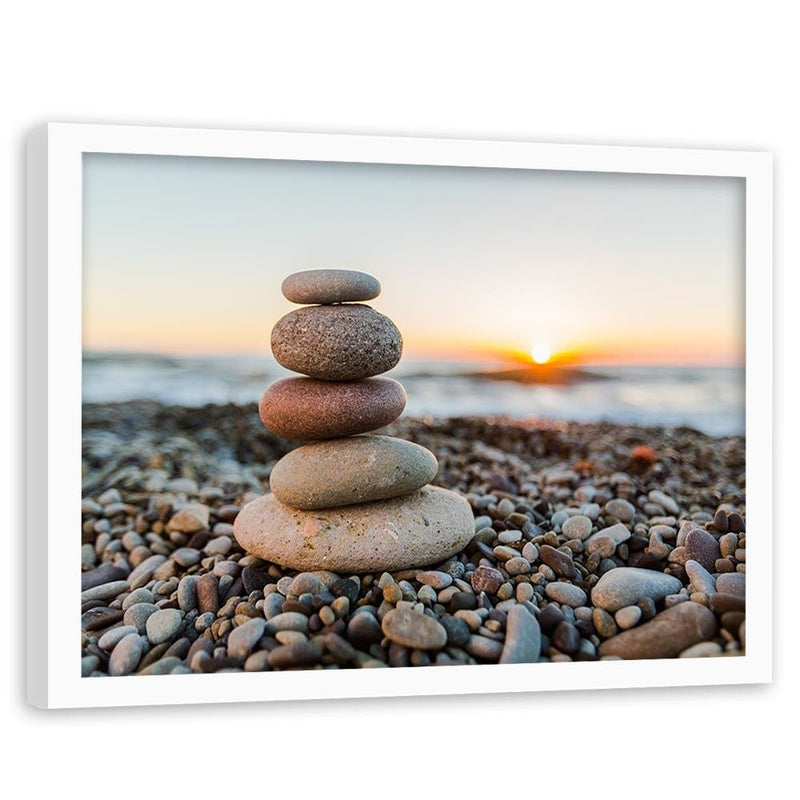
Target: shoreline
{"x":144,"y":462}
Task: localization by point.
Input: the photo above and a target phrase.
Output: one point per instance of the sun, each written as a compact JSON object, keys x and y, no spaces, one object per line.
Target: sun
{"x":540,"y":353}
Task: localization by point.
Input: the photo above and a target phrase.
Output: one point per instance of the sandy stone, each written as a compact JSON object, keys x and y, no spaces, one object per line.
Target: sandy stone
{"x":304,"y":409}
{"x":625,"y":586}
{"x":357,"y":469}
{"x":337,"y":343}
{"x":665,"y":636}
{"x":329,"y":286}
{"x":423,"y":528}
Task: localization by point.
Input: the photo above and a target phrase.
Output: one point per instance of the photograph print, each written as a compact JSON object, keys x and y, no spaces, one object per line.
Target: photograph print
{"x":343,"y":415}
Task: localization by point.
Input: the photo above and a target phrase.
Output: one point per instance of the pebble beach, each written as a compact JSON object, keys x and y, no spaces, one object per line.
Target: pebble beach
{"x":591,"y":542}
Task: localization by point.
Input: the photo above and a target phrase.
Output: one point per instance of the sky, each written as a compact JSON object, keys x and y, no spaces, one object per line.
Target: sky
{"x":186,"y":255}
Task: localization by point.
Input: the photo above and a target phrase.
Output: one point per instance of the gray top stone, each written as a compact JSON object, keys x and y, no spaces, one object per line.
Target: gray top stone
{"x":324,"y":286}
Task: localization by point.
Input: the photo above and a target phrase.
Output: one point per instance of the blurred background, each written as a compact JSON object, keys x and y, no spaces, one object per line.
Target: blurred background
{"x":575,"y":296}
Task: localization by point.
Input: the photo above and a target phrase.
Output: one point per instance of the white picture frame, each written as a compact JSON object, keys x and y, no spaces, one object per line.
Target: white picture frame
{"x":54,"y":348}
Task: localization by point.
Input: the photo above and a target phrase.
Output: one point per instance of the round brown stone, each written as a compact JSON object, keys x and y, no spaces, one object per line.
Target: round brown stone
{"x":337,"y":343}
{"x":356,"y":469}
{"x":303,"y":409}
{"x":330,"y":286}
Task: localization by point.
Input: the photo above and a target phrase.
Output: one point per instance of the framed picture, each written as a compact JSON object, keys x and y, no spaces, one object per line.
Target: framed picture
{"x":317,"y":416}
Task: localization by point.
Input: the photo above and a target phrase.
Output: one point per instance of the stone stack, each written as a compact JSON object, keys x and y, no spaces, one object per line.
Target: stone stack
{"x":347,"y":501}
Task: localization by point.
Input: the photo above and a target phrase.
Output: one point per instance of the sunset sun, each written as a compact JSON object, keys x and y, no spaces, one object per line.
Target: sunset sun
{"x":540,"y":353}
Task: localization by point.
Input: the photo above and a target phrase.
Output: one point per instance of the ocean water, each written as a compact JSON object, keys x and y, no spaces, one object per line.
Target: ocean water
{"x":709,"y":399}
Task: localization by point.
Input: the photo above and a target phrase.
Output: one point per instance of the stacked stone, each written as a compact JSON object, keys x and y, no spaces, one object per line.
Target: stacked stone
{"x":348,"y":501}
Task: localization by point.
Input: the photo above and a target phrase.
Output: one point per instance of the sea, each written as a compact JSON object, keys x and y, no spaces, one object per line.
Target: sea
{"x":708,"y":399}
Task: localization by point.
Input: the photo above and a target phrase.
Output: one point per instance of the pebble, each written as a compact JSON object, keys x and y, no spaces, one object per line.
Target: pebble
{"x":186,"y":556}
{"x":304,"y":409}
{"x":126,"y":655}
{"x":144,"y":572}
{"x":566,"y":593}
{"x":364,"y":630}
{"x":163,"y":625}
{"x":602,"y":546}
{"x":105,"y":591}
{"x":417,"y":631}
{"x":604,"y":623}
{"x":105,"y":573}
{"x":702,"y":547}
{"x":721,"y":602}
{"x":628,"y":616}
{"x":187,"y":593}
{"x":566,"y":638}
{"x":336,"y":343}
{"x":620,"y":509}
{"x":557,"y":560}
{"x":577,"y":527}
{"x":425,"y":527}
{"x":702,"y":580}
{"x":701,"y":650}
{"x":731,"y":583}
{"x":484,"y":648}
{"x":665,"y":501}
{"x":241,"y":640}
{"x":306,"y":583}
{"x":192,"y":518}
{"x":111,"y":638}
{"x":287,"y":621}
{"x":618,"y":532}
{"x":88,"y":665}
{"x":297,"y":654}
{"x":325,"y":286}
{"x":666,"y":635}
{"x":523,"y":640}
{"x":728,"y":544}
{"x":624,"y":586}
{"x":517,"y":566}
{"x":458,"y":632}
{"x":138,"y":614}
{"x":435,"y":579}
{"x":207,"y":593}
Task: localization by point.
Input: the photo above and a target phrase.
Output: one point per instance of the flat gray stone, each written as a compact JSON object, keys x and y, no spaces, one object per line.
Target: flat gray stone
{"x":330,"y":286}
{"x":625,"y":586}
{"x":163,"y":625}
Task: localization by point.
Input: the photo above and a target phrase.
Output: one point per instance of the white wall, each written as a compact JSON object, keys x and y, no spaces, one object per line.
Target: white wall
{"x":700,"y":75}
